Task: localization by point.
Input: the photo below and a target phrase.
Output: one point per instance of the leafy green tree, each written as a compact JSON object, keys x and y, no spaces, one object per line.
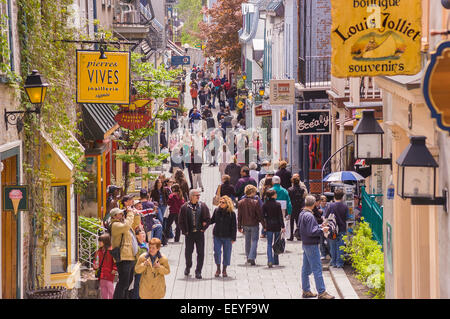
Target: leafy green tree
{"x":150,"y":83}
{"x":190,"y":12}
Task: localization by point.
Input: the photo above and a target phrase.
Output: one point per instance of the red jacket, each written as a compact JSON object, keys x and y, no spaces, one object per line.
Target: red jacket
{"x":175,"y":203}
{"x":108,"y":264}
{"x":217,"y":82}
{"x":194,"y":92}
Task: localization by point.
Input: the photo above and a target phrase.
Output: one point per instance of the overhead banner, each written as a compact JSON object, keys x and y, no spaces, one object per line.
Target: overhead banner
{"x":376,"y":37}
{"x":103,"y":80}
{"x":313,"y":122}
{"x":282,"y":92}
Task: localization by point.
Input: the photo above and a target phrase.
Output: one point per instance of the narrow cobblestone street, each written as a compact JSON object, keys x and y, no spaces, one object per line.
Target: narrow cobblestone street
{"x":243,"y":281}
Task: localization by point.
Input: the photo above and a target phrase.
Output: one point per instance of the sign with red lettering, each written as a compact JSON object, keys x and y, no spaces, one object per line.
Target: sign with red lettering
{"x":134,"y":116}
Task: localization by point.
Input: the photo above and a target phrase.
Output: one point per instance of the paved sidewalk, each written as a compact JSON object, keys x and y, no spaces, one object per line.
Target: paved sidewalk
{"x":255,"y":282}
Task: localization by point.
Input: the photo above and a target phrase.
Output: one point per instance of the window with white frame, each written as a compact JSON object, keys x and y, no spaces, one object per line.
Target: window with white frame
{"x":5,"y":53}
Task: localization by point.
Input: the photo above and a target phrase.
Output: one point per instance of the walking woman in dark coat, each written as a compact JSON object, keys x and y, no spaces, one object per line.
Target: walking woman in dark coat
{"x":224,"y":233}
{"x":274,"y":224}
{"x":226,"y":188}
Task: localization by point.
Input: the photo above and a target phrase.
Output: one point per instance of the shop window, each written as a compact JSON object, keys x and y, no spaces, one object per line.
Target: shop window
{"x":5,"y":32}
{"x":349,"y":154}
{"x":89,"y":200}
{"x":58,"y":248}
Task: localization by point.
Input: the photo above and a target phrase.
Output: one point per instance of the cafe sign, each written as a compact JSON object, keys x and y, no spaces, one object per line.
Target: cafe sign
{"x":103,"y":80}
{"x":135,"y":115}
{"x":436,"y":88}
{"x":313,"y":122}
{"x":376,"y":37}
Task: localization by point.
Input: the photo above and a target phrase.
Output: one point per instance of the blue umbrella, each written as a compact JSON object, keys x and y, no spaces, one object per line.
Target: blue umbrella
{"x":343,"y":176}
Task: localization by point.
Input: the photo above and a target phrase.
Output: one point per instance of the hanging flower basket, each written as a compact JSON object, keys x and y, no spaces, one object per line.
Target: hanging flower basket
{"x":55,"y":292}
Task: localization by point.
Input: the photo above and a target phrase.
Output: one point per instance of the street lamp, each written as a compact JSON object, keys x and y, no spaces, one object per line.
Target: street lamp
{"x":369,"y":140}
{"x":417,"y":174}
{"x":36,"y":88}
{"x":244,"y":76}
{"x":186,"y":47}
{"x":262,"y":91}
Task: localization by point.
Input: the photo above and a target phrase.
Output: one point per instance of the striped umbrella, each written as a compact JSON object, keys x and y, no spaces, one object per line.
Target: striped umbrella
{"x":343,"y":176}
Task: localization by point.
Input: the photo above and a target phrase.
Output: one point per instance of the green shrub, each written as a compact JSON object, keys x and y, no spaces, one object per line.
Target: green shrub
{"x":367,"y":258}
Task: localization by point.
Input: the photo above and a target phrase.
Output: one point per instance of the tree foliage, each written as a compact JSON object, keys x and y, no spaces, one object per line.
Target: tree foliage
{"x":221,"y":33}
{"x":190,"y":12}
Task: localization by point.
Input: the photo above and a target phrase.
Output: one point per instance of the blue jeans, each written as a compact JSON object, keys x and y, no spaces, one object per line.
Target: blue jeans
{"x":226,"y":243}
{"x":324,"y":246}
{"x":157,"y":232}
{"x":271,"y":238}
{"x":336,"y":254}
{"x":231,"y":104}
{"x":251,"y":241}
{"x":312,"y":264}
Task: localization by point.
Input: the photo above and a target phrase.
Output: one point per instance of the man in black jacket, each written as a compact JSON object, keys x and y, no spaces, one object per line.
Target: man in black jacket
{"x":297,"y":195}
{"x":310,"y":232}
{"x":193,"y":220}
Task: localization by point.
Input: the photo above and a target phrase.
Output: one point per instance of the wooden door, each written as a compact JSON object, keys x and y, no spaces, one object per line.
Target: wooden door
{"x":9,"y":235}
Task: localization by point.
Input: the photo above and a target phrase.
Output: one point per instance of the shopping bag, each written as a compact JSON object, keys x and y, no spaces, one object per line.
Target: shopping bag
{"x":216,"y":198}
{"x":287,"y":224}
{"x":279,"y":245}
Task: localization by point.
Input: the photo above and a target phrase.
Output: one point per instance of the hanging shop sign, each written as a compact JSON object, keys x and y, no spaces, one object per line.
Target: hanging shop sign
{"x":103,"y":80}
{"x":135,"y":115}
{"x":282,"y":92}
{"x":313,"y":122}
{"x":376,"y":37}
{"x":259,"y":111}
{"x":172,"y":102}
{"x":436,"y":89}
{"x":15,"y":198}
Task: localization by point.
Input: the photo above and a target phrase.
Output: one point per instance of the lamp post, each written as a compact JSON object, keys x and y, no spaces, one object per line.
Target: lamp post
{"x":417,"y":175}
{"x":36,"y":88}
{"x":262,"y":91}
{"x":369,"y":140}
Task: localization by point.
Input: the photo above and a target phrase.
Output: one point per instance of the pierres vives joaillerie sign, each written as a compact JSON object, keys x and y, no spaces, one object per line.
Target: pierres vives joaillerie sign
{"x":376,"y":37}
{"x":103,"y":80}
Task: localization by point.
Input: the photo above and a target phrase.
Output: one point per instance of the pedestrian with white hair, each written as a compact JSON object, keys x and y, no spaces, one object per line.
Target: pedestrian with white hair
{"x":253,"y":171}
{"x":310,"y":233}
{"x":193,"y":220}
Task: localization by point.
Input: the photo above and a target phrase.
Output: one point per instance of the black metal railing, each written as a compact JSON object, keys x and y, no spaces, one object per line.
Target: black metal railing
{"x":315,"y":71}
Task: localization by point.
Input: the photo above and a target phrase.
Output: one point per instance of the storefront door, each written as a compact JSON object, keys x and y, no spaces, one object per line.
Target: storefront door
{"x":9,"y":235}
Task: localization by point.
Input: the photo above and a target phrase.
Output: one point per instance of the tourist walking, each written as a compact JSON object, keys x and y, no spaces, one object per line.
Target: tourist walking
{"x":243,"y":182}
{"x":297,"y":196}
{"x":193,"y":220}
{"x":249,"y":218}
{"x":233,"y":170}
{"x":153,"y":266}
{"x":180,"y":179}
{"x":274,"y":225}
{"x":284,"y":174}
{"x":310,"y":233}
{"x":105,"y":266}
{"x":224,"y":233}
{"x":175,"y":201}
{"x":226,"y":188}
{"x":123,"y":237}
{"x":340,"y":211}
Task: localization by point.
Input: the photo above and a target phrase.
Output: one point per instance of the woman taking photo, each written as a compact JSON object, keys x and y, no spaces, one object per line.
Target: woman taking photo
{"x":153,"y":266}
{"x":175,"y":202}
{"x":273,"y":220}
{"x":224,"y":233}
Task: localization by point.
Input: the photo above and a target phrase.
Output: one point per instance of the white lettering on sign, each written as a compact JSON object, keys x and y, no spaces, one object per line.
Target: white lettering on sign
{"x":322,"y":121}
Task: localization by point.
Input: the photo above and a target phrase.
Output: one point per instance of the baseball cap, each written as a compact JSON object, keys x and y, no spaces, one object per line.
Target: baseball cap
{"x":115,"y":211}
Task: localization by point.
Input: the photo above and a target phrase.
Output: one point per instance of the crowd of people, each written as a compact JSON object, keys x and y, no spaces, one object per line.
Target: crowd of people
{"x":251,"y":194}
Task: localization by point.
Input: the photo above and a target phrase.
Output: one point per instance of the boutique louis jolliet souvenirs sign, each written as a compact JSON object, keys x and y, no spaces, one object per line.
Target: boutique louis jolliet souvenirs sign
{"x":376,"y":37}
{"x":103,"y":80}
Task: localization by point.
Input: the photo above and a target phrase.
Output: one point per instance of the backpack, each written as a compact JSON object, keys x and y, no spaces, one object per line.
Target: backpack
{"x":333,"y":227}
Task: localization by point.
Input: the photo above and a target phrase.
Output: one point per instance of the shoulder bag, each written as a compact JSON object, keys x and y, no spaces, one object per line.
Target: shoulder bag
{"x":115,"y":252}
{"x":98,"y":272}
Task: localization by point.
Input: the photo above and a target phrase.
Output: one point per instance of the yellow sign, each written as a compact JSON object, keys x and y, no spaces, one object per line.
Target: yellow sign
{"x":376,"y":37}
{"x":103,"y":80}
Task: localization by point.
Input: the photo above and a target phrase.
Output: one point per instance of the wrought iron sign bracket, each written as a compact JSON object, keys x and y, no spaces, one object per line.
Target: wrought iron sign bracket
{"x":15,"y":118}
